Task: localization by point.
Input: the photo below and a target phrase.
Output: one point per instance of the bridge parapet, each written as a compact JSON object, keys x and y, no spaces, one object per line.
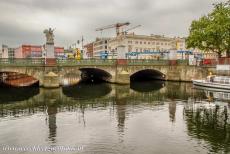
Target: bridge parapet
{"x":22,"y":62}
{"x":91,"y":62}
{"x":120,"y":70}
{"x":154,"y":62}
{"x":86,"y":62}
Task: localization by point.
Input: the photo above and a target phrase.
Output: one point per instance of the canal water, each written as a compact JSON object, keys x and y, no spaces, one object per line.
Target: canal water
{"x":144,"y":117}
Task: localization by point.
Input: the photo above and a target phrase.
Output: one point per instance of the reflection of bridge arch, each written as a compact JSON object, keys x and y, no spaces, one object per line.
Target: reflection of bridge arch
{"x":9,"y":95}
{"x":95,"y":74}
{"x":84,"y":91}
{"x":15,"y":79}
{"x":147,"y":74}
{"x":147,"y":86}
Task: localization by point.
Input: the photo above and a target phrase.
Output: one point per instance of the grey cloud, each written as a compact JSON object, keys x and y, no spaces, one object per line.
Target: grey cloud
{"x":13,"y":35}
{"x":23,"y":20}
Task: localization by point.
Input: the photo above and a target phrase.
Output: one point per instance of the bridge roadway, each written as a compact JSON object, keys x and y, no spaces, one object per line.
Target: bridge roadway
{"x":114,"y":71}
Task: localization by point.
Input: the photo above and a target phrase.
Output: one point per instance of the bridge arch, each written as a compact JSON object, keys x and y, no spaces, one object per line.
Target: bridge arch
{"x":95,"y":75}
{"x":147,"y":74}
{"x":70,"y":78}
{"x":16,"y":79}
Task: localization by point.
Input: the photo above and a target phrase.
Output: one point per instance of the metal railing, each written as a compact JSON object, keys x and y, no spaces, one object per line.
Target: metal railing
{"x":91,"y":62}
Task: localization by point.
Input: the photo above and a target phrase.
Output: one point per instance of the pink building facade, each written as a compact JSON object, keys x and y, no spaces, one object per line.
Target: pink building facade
{"x":35,"y":51}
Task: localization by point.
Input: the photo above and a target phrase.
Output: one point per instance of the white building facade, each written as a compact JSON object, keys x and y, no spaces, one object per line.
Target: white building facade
{"x":145,"y":47}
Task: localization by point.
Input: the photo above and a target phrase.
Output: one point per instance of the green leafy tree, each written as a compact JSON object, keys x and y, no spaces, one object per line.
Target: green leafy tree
{"x":212,"y":32}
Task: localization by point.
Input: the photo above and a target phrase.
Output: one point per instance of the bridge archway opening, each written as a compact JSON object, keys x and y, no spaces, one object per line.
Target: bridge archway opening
{"x":147,"y":75}
{"x":70,"y":79}
{"x":94,"y":75}
{"x":15,"y":79}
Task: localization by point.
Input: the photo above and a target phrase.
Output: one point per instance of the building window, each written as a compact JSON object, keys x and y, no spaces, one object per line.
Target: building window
{"x":136,"y":42}
{"x":136,"y":49}
{"x":144,"y":42}
{"x":130,"y":48}
{"x":148,"y":42}
{"x":140,"y":42}
{"x":165,"y":43}
{"x":157,"y":43}
{"x":140,"y":49}
{"x":153,"y":43}
{"x":130,"y":42}
{"x":161,"y":43}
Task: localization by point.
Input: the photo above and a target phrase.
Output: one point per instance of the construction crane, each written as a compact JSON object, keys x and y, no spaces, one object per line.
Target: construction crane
{"x":125,"y":32}
{"x":117,"y":26}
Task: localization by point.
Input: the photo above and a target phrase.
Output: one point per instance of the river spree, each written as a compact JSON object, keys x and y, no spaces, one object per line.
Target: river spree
{"x":144,"y":117}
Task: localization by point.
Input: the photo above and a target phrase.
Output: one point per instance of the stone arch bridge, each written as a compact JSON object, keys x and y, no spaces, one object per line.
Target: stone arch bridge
{"x":114,"y":71}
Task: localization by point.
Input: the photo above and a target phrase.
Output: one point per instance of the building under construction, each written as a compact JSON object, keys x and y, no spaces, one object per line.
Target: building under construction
{"x":144,"y":46}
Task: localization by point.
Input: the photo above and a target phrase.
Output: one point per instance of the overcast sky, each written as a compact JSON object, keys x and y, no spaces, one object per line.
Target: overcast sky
{"x":23,"y":21}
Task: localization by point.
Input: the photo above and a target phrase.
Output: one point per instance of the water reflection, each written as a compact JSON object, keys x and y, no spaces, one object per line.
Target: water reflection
{"x":106,"y":108}
{"x":215,"y":94}
{"x":52,"y":111}
{"x":143,"y":86}
{"x":210,"y":123}
{"x":10,"y":95}
{"x":172,"y":111}
{"x":209,"y":119}
{"x":87,"y":90}
{"x":121,"y":94}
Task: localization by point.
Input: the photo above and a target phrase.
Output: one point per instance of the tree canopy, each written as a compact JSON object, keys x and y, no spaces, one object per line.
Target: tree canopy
{"x":212,"y":32}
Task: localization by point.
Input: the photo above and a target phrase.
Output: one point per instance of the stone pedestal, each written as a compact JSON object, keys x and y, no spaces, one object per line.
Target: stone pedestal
{"x":123,"y":77}
{"x":50,"y":56}
{"x":51,"y":80}
{"x":49,"y":50}
{"x":121,"y":52}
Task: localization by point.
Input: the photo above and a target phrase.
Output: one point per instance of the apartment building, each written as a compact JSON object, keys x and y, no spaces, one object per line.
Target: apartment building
{"x":100,"y":48}
{"x":146,"y":47}
{"x":88,"y":49}
{"x":36,"y":51}
{"x":7,"y":52}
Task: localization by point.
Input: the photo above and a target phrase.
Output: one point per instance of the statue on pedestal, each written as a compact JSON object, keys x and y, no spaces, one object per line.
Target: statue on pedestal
{"x":49,"y":35}
{"x":49,"y":46}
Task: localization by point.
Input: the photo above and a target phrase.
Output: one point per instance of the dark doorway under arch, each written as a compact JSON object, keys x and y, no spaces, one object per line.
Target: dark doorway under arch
{"x":94,"y":75}
{"x":147,"y":75}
